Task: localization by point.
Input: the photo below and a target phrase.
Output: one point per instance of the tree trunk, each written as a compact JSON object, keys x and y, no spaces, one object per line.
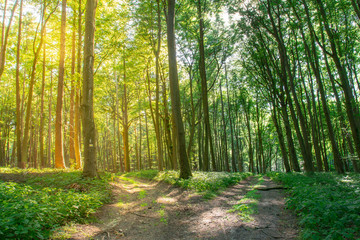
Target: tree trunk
{"x":24,"y":146}
{"x":250,"y":150}
{"x":140,"y":142}
{"x":167,"y":128}
{"x":157,"y":97}
{"x":72,"y":97}
{"x":185,"y":171}
{"x":147,"y":142}
{"x":352,"y":109}
{"x":204,"y":94}
{"x":59,"y":150}
{"x":20,"y":161}
{"x":233,"y":150}
{"x":285,"y":75}
{"x":41,"y":129}
{"x":126,"y":126}
{"x":49,"y":124}
{"x":89,"y":131}
{"x":281,"y":140}
{"x":226,"y":159}
{"x":118,"y":123}
{"x":315,"y":66}
{"x":77,"y":117}
{"x":292,"y":152}
{"x":192,"y":120}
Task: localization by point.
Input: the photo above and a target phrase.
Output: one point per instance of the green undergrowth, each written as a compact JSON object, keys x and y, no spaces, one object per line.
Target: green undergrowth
{"x":248,"y":205}
{"x":44,"y":201}
{"x":328,"y":204}
{"x":206,"y":183}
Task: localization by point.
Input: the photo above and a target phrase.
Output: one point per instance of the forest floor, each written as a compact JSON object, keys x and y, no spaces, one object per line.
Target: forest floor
{"x":143,"y":209}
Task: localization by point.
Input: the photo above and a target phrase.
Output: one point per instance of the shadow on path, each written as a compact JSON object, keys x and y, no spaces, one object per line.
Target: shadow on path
{"x":145,"y":210}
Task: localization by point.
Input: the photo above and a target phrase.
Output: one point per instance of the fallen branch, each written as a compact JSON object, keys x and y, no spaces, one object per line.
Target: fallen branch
{"x":270,"y":188}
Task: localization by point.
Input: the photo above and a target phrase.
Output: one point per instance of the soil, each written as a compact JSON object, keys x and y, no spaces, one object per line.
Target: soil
{"x":147,"y":210}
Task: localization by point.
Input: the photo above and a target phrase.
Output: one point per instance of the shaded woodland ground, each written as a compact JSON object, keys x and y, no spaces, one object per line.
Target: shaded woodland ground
{"x":165,"y":212}
{"x":62,"y":205}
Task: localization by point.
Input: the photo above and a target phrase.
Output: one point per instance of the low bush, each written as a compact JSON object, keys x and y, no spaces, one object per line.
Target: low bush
{"x":328,"y":204}
{"x":31,"y":210}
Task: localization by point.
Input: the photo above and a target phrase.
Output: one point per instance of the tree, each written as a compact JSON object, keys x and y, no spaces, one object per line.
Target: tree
{"x":36,"y":51}
{"x":185,"y":171}
{"x":20,"y":160}
{"x":89,"y":130}
{"x":204,"y":94}
{"x":59,"y":151}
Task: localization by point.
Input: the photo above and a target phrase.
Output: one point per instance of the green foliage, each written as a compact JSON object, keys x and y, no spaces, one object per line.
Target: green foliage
{"x":207,"y":183}
{"x":328,"y":204}
{"x":33,"y":209}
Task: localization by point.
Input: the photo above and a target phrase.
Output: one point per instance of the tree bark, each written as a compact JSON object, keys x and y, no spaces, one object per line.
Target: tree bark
{"x":233,"y":149}
{"x":147,"y":142}
{"x":89,"y":131}
{"x":185,"y":171}
{"x":226,"y":159}
{"x":77,"y":120}
{"x":59,"y":145}
{"x":49,"y":124}
{"x":41,"y":128}
{"x":281,"y":139}
{"x":204,"y":95}
{"x":157,"y":94}
{"x":20,"y":161}
{"x":125,"y":123}
{"x":72,"y":96}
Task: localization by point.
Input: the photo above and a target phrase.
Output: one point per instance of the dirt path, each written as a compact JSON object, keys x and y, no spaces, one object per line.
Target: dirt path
{"x":150,"y":210}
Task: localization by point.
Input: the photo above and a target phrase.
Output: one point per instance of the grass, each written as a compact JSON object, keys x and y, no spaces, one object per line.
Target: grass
{"x":46,"y":200}
{"x":248,"y":205}
{"x":328,"y":204}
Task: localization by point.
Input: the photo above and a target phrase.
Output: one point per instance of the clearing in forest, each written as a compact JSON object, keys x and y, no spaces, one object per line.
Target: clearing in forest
{"x":143,"y":209}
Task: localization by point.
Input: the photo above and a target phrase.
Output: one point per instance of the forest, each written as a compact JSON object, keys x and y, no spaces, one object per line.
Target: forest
{"x":203,"y":95}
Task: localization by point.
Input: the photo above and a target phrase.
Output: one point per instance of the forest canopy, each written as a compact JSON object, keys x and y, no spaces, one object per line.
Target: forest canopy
{"x":223,"y":85}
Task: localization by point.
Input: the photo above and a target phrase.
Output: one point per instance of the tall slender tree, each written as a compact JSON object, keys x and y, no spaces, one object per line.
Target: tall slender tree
{"x":204,"y":94}
{"x":20,"y":161}
{"x":185,"y":171}
{"x":89,"y":130}
{"x":59,"y":150}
